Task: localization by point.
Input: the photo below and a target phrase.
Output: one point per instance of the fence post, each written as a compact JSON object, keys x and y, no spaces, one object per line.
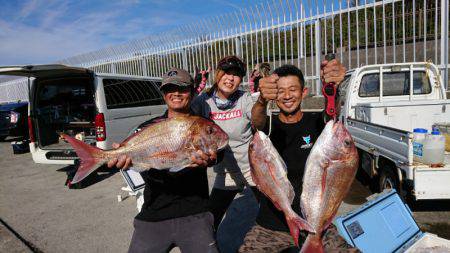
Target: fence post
{"x":185,"y":60}
{"x":318,"y":57}
{"x":144,"y":66}
{"x":113,"y":67}
{"x":444,"y":41}
{"x":237,"y":41}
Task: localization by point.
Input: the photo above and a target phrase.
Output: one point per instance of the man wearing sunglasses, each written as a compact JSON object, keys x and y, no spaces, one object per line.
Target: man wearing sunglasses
{"x":175,"y":210}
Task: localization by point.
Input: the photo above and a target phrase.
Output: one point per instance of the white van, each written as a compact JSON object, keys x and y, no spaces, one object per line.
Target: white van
{"x":97,"y":108}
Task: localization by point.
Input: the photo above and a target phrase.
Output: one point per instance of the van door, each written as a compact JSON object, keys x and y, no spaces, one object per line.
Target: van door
{"x":61,"y":100}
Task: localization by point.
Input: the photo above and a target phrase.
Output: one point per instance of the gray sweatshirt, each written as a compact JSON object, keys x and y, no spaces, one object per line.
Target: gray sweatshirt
{"x":234,"y":170}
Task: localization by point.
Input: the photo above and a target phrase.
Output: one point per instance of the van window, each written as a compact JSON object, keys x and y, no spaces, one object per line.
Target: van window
{"x":121,"y":93}
{"x":394,"y":84}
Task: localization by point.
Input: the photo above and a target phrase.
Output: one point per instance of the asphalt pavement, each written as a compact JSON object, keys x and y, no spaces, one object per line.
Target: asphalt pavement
{"x":38,"y":213}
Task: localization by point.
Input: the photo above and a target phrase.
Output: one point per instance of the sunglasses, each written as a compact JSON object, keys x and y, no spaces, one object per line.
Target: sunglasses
{"x":168,"y":88}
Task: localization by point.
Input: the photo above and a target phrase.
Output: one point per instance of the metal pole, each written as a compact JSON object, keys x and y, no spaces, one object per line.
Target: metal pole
{"x":292,"y":30}
{"x":403,"y":28}
{"x":435,"y":32}
{"x":424,"y":30}
{"x":357,"y":35}
{"x":414,"y":30}
{"x":256,"y":35}
{"x":366,"y":41}
{"x":318,"y":55}
{"x":348,"y":37}
{"x":332,"y":25}
{"x":394,"y":45}
{"x":273,"y":35}
{"x":250,"y":65}
{"x":375,"y":32}
{"x":262,"y":34}
{"x":384,"y":33}
{"x":267,"y":32}
{"x":340,"y":28}
{"x":298,"y":34}
{"x":279,"y":35}
{"x":444,"y":40}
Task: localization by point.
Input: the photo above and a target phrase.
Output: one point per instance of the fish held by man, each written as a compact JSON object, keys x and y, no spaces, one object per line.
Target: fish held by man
{"x":169,"y":144}
{"x":269,"y":172}
{"x":329,"y":172}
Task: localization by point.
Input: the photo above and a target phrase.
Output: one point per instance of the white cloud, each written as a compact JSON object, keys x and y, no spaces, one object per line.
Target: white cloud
{"x":28,"y":8}
{"x":45,"y":31}
{"x":50,"y":36}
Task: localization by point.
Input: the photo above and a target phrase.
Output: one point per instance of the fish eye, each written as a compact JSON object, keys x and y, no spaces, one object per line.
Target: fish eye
{"x":347,"y":142}
{"x":209,"y":130}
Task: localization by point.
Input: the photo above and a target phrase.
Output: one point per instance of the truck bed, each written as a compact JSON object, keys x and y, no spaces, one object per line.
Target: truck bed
{"x":396,"y":145}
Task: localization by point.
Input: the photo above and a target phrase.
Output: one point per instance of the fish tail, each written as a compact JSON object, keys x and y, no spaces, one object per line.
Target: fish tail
{"x":313,"y":244}
{"x":296,"y":224}
{"x":88,"y":155}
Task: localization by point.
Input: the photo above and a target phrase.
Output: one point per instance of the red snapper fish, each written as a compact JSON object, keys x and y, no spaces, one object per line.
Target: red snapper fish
{"x":269,"y":172}
{"x":329,"y":172}
{"x":168,"y":144}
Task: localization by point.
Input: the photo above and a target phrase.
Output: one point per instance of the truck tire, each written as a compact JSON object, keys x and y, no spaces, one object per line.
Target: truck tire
{"x":388,"y":180}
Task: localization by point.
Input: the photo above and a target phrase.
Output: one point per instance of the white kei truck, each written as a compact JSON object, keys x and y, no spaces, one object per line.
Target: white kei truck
{"x":380,"y":106}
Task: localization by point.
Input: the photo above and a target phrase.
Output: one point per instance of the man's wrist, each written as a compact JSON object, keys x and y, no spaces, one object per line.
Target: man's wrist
{"x":262,"y":101}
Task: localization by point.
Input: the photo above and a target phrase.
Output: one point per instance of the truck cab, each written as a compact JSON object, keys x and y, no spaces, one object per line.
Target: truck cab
{"x":381,"y":105}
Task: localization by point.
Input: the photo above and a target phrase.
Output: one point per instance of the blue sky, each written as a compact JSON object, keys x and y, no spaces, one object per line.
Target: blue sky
{"x":44,"y":31}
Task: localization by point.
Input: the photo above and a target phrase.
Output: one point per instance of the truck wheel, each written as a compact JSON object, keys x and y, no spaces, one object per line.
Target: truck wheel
{"x":388,"y":180}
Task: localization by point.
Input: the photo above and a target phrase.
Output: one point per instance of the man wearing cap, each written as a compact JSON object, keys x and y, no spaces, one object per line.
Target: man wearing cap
{"x":175,"y":209}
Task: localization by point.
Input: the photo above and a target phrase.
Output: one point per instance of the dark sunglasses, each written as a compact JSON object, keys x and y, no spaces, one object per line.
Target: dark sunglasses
{"x":168,"y":88}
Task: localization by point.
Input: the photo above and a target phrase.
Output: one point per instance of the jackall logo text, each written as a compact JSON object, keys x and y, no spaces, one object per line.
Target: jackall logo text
{"x":225,"y":115}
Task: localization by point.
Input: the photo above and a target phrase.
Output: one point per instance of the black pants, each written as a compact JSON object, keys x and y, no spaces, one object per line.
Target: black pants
{"x":192,"y":234}
{"x":220,"y":200}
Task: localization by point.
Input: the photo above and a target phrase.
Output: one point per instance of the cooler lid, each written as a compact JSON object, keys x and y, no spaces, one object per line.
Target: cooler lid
{"x":383,"y":224}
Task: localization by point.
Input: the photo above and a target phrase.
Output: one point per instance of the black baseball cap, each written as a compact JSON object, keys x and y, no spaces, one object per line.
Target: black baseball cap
{"x":232,"y":63}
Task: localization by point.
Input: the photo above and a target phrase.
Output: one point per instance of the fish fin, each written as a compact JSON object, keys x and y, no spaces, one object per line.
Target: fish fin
{"x":296,"y":224}
{"x":328,"y":223}
{"x":302,"y":209}
{"x":176,"y":169}
{"x":313,"y":244}
{"x":87,"y":155}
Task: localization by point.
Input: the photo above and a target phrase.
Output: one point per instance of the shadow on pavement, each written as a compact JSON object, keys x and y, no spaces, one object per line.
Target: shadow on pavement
{"x":429,"y":205}
{"x":99,"y":175}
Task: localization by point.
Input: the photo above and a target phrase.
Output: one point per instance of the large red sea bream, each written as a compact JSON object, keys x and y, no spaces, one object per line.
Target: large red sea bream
{"x":329,"y":173}
{"x":168,"y":144}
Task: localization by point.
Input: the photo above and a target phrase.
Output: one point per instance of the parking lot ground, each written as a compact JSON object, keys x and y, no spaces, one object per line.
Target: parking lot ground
{"x":36,"y":206}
